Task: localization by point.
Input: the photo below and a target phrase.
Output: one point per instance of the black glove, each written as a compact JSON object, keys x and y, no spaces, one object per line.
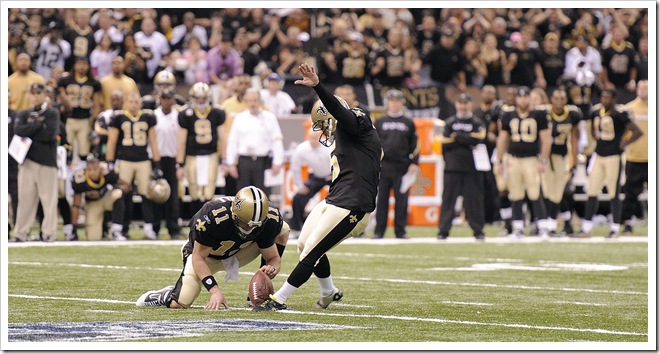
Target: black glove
{"x":156,"y":174}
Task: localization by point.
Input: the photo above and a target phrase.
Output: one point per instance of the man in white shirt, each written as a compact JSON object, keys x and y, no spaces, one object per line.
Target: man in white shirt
{"x":254,"y":134}
{"x":583,"y":62}
{"x":154,"y":44}
{"x":278,"y":101}
{"x":167,"y":130}
{"x":317,"y":158}
{"x":182,"y":33}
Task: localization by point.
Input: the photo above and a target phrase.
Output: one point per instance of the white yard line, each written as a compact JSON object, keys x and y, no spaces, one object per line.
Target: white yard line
{"x":579,"y":303}
{"x":404,"y":281}
{"x":467,"y":303}
{"x":350,"y":241}
{"x":385,"y":317}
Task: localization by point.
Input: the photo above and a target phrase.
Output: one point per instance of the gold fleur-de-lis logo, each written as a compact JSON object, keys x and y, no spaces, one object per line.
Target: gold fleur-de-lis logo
{"x":200,"y":226}
{"x":353,"y":219}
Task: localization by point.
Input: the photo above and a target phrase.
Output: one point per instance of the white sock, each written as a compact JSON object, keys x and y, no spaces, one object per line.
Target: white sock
{"x":68,"y":229}
{"x":506,"y":213}
{"x":285,"y":291}
{"x":518,"y":225}
{"x":116,"y":227}
{"x":587,"y":225}
{"x":148,"y":228}
{"x":327,"y":286}
{"x":551,"y":224}
{"x":614,"y":227}
{"x":565,"y":216}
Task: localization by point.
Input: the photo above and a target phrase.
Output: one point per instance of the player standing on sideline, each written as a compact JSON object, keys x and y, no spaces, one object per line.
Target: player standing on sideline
{"x":611,"y":122}
{"x":356,"y":155}
{"x":564,"y":127}
{"x":225,"y":234}
{"x":131,"y":133}
{"x":524,"y":134}
{"x":637,"y":156}
{"x":199,"y":146}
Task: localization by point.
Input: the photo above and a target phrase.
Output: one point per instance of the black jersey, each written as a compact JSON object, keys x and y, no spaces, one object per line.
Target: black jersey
{"x":94,"y":190}
{"x":82,"y":45}
{"x":561,"y":126}
{"x":213,"y":226}
{"x":80,"y":95}
{"x":609,"y":127}
{"x":352,"y":66}
{"x":524,"y":130}
{"x":133,"y":134}
{"x":459,"y":137}
{"x":355,"y":157}
{"x":618,"y":63}
{"x":202,"y":129}
{"x":394,"y":71}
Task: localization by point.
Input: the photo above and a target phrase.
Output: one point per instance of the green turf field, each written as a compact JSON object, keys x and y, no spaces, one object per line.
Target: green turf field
{"x":420,"y":291}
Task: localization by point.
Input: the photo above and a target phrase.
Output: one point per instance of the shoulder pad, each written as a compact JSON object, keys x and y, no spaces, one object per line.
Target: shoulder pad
{"x":573,"y":108}
{"x":180,"y":108}
{"x":507,"y":108}
{"x":147,"y":111}
{"x":217,"y":106}
{"x":118,"y":112}
{"x":597,"y":107}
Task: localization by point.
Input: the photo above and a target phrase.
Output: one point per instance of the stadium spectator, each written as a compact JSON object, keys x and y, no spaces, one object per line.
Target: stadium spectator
{"x":152,"y":46}
{"x":551,"y":60}
{"x":102,"y":189}
{"x":525,"y":61}
{"x":495,"y":60}
{"x":31,"y":37}
{"x":233,"y":240}
{"x":551,"y":21}
{"x":106,"y":26}
{"x":101,"y":57}
{"x":427,"y":35}
{"x":445,"y":62}
{"x":619,"y":63}
{"x":375,"y":36}
{"x":254,"y":135}
{"x":52,"y":50}
{"x":637,"y":157}
{"x":196,"y":59}
{"x":165,"y":26}
{"x":80,"y":36}
{"x":37,"y":176}
{"x":317,"y":159}
{"x":21,"y":81}
{"x":389,"y":69}
{"x":224,"y":63}
{"x":462,"y":133}
{"x":642,"y":59}
{"x":398,"y":137}
{"x":352,"y":64}
{"x":134,"y":62}
{"x":277,"y":101}
{"x":182,"y":33}
{"x":473,"y":66}
{"x":613,"y":129}
{"x":117,"y":81}
{"x":249,"y":59}
{"x":500,"y":31}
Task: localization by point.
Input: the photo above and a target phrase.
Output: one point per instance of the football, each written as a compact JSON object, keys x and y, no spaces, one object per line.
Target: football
{"x":259,"y":288}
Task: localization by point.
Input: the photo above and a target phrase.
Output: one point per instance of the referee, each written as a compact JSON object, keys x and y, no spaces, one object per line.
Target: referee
{"x":463,"y":131}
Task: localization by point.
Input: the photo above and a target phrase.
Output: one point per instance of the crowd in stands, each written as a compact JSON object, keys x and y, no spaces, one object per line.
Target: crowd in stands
{"x":367,"y":51}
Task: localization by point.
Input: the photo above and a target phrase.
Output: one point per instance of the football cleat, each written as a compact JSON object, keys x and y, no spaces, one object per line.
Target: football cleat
{"x":627,"y":229}
{"x":613,"y":234}
{"x":516,"y":234}
{"x":270,"y":304}
{"x":117,"y":236}
{"x":71,"y":237}
{"x":155,"y":297}
{"x":325,"y":301}
{"x":150,"y":235}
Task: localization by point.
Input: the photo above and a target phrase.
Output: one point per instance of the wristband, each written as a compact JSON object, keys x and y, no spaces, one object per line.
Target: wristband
{"x":543,"y":160}
{"x":209,"y":282}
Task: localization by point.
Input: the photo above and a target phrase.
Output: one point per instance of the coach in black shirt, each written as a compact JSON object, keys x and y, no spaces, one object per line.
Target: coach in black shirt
{"x":37,"y":176}
{"x":398,"y":137}
{"x":463,"y":131}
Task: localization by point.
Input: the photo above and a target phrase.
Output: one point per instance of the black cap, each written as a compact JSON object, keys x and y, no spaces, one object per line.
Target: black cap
{"x":523,"y":91}
{"x":227,"y":36}
{"x":37,"y":87}
{"x":464,"y":97}
{"x":394,"y":94}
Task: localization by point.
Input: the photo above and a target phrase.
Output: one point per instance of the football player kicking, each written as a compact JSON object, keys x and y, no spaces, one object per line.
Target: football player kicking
{"x":355,"y":158}
{"x":225,"y":234}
